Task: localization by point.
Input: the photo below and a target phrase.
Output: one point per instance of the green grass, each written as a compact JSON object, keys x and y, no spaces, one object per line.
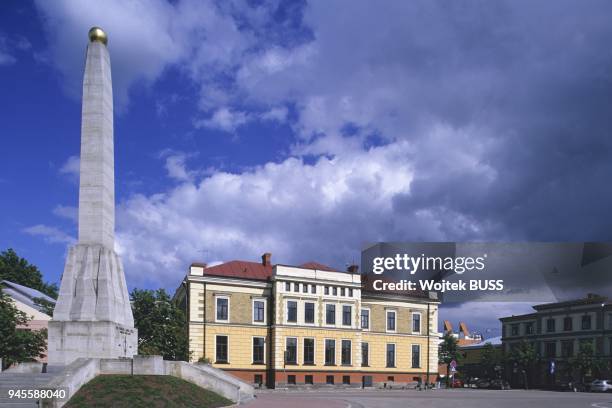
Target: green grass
{"x":135,"y":391}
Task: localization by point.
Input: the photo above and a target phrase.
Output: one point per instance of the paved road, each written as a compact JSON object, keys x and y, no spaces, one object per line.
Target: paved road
{"x":428,"y":399}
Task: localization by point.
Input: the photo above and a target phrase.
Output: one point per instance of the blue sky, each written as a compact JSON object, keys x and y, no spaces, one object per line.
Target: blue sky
{"x":309,"y":128}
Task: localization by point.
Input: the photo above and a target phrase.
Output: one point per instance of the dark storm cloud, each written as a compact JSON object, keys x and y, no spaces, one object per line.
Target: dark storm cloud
{"x":535,"y":85}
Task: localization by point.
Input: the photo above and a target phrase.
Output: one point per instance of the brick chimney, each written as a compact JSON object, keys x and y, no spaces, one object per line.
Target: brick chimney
{"x":266,"y":259}
{"x":353,"y":269}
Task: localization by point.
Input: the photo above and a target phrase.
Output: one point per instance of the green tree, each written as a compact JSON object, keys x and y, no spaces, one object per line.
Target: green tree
{"x":488,"y":359}
{"x":162,"y":327}
{"x":523,"y":356}
{"x":586,"y":361}
{"x":18,"y":345}
{"x":18,"y":270}
{"x":449,"y":351}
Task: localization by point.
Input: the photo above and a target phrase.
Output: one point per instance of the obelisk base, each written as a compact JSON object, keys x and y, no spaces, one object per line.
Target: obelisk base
{"x":69,"y":340}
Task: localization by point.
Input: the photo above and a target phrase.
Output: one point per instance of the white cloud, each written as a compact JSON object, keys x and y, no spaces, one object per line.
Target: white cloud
{"x":278,"y":114}
{"x":224,"y":119}
{"x":50,"y":234}
{"x":175,"y":163}
{"x":71,"y":167}
{"x":67,"y":212}
{"x":297,"y":211}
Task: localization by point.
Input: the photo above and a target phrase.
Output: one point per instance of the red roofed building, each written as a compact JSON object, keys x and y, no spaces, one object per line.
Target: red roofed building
{"x":306,"y":325}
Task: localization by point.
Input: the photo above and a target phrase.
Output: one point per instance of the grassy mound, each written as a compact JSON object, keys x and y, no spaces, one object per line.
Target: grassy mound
{"x":119,"y":391}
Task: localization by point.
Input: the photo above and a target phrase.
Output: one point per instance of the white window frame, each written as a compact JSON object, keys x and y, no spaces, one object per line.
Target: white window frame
{"x":420,"y":323}
{"x":368,"y":359}
{"x":227,"y":361}
{"x":335,"y":353}
{"x":314,"y":350}
{"x":351,"y":354}
{"x":217,"y":297}
{"x":335,"y":314}
{"x":304,"y":314}
{"x":394,"y":356}
{"x":369,"y":318}
{"x":411,"y":355}
{"x":297,"y":350}
{"x":387,"y":321}
{"x":265,"y":302}
{"x":264,"y":350}
{"x":297,"y":311}
{"x":352,"y":322}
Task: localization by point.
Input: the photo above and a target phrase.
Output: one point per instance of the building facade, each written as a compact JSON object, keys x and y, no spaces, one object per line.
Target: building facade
{"x":557,"y":330}
{"x":309,"y":324}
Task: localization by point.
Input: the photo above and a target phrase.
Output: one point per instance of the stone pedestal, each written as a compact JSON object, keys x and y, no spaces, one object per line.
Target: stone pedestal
{"x":70,"y":340}
{"x":93,"y":316}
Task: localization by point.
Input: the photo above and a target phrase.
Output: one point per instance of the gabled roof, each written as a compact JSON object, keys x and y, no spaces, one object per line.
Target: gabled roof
{"x":240,"y":270}
{"x":24,"y":294}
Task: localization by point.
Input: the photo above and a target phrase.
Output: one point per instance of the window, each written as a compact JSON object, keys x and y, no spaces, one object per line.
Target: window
{"x":528,"y":328}
{"x":291,"y":379}
{"x":391,"y":355}
{"x":390,"y":378}
{"x":550,"y":325}
{"x":346,"y":379}
{"x":330,"y":314}
{"x":309,"y":313}
{"x":327,"y":290}
{"x":365,"y":354}
{"x":365,"y":318}
{"x":309,"y":351}
{"x":288,"y":286}
{"x":416,"y":322}
{"x":291,"y":350}
{"x":259,"y":308}
{"x":416,"y":356}
{"x":514,"y":330}
{"x":295,"y":287}
{"x":308,"y":379}
{"x":291,"y":311}
{"x":550,"y":349}
{"x":330,"y":352}
{"x":221,"y":348}
{"x":350,"y":292}
{"x":586,"y":322}
{"x":222,"y":309}
{"x":258,"y":379}
{"x":329,"y":380}
{"x":567,"y":348}
{"x":346,"y":352}
{"x":347,"y":311}
{"x":304,"y":288}
{"x":390,"y":321}
{"x":567,"y":323}
{"x":335,"y":291}
{"x":313,"y":289}
{"x":258,"y":350}
{"x":341,"y":291}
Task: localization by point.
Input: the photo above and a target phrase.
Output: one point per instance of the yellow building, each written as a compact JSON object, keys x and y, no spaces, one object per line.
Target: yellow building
{"x":308,"y":324}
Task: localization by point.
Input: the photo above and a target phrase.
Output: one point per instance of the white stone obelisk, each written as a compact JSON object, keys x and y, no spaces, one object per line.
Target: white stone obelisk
{"x":93,"y":317}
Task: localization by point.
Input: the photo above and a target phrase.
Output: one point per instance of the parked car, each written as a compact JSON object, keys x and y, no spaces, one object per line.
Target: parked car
{"x":601,"y":386}
{"x":457,"y":383}
{"x":483,"y":383}
{"x":499,"y":385}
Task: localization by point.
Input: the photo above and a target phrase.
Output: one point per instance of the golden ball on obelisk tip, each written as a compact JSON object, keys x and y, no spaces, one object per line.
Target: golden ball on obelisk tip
{"x":98,"y":34}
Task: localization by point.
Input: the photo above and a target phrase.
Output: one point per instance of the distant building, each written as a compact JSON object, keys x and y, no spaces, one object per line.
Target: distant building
{"x":556,"y":331}
{"x":464,"y":337}
{"x":472,"y":358}
{"x":309,"y":324}
{"x":24,"y":299}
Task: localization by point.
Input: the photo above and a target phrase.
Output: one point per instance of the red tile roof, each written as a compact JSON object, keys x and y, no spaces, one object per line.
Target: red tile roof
{"x":318,"y":266}
{"x":252,"y":270}
{"x":240,"y":270}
